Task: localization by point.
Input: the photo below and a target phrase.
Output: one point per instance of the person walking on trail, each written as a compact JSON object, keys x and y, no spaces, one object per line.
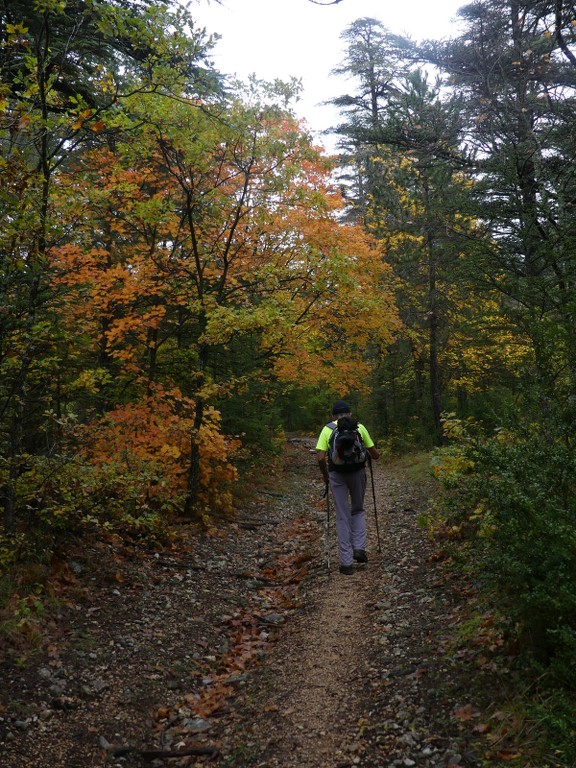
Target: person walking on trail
{"x":347,"y":481}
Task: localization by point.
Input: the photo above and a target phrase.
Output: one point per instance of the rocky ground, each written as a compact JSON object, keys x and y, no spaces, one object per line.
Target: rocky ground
{"x":246,"y":647}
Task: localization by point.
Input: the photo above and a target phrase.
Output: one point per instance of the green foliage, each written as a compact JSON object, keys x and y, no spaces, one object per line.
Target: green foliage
{"x":21,"y":620}
{"x":10,"y":548}
{"x":256,"y":423}
{"x":65,"y":495}
{"x":553,"y":714}
{"x":513,"y":495}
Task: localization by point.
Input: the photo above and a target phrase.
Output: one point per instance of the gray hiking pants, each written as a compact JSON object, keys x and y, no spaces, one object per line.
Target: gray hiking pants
{"x":348,"y":493}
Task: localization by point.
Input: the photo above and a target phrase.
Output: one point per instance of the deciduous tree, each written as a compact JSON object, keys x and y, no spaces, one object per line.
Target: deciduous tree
{"x":66,"y":68}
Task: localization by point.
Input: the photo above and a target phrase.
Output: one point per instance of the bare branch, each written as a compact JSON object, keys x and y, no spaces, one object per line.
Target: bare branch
{"x":559,"y":37}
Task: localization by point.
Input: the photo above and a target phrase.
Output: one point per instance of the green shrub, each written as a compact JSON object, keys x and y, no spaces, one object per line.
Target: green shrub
{"x":61,"y":495}
{"x":514,"y":495}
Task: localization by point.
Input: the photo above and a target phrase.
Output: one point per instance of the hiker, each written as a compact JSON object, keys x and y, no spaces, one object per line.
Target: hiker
{"x":347,"y":481}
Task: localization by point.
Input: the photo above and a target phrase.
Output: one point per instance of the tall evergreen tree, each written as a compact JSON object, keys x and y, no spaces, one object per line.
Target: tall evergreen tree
{"x":406,"y":156}
{"x":513,"y":68}
{"x":376,"y":61}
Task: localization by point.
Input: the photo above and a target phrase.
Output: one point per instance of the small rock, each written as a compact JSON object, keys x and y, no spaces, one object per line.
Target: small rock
{"x":95,"y":686}
{"x":197,"y":725}
{"x":58,"y":688}
{"x":274,"y":618}
{"x":76,"y":568}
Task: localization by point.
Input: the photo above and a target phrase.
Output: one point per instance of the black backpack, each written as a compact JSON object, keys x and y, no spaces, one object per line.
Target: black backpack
{"x":346,"y":449}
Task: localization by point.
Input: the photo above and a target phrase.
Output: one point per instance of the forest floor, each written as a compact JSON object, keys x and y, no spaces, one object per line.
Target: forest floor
{"x":246,"y":646}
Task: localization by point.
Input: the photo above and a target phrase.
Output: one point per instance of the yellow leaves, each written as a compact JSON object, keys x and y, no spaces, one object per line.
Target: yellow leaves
{"x":15,"y":30}
{"x":454,"y":428}
{"x":224,"y":323}
{"x":449,"y":463}
{"x":482,"y":343}
{"x":50,"y":6}
{"x":92,"y":380}
{"x":170,"y":451}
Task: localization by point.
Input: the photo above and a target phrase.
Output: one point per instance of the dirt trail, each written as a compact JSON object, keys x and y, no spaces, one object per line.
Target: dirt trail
{"x":152,"y":653}
{"x":354,"y":677}
{"x":317,"y":685}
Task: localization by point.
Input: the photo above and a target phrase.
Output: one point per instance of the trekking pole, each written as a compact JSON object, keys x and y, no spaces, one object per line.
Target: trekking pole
{"x":327,"y":494}
{"x":374,"y":500}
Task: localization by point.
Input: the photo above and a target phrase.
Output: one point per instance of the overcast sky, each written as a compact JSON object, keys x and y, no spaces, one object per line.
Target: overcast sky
{"x":285,"y":38}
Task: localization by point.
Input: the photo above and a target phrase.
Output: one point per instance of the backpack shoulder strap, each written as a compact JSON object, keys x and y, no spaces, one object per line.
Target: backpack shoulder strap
{"x":332,"y":425}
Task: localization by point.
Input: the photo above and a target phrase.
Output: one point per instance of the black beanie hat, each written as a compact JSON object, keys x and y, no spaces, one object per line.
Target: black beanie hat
{"x":340,"y":407}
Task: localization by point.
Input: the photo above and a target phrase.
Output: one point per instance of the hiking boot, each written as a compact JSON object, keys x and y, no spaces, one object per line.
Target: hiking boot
{"x":347,"y":570}
{"x":360,"y":556}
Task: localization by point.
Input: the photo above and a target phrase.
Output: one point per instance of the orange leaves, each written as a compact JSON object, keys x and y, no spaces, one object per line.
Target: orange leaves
{"x":465,"y":713}
{"x":500,"y":730}
{"x":23,"y":122}
{"x":242,"y":232}
{"x":83,"y":120}
{"x":97,"y":126}
{"x":149,"y":443}
{"x":344,"y":300}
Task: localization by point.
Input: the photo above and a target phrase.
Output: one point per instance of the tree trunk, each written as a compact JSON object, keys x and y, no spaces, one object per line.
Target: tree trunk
{"x":193,"y":476}
{"x":435,"y":383}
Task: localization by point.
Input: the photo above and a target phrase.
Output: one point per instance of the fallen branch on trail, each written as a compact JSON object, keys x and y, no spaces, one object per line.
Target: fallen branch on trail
{"x":153,"y":754}
{"x":177,"y":564}
{"x":251,"y":523}
{"x":163,"y":754}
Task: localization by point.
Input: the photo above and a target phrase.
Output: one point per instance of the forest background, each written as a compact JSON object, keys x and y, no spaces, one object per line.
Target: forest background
{"x":186,"y":277}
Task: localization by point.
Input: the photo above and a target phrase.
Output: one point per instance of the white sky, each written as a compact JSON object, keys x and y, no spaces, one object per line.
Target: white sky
{"x":296,"y":38}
